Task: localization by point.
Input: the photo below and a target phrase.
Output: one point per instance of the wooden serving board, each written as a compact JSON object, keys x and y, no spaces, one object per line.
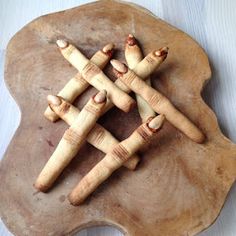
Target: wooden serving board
{"x":179,"y":187}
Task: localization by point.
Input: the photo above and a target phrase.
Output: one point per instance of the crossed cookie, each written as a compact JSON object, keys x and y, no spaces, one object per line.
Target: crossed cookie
{"x":83,"y":124}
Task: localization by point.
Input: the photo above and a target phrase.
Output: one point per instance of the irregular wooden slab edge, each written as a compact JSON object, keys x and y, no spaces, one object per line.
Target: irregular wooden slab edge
{"x":199,"y":174}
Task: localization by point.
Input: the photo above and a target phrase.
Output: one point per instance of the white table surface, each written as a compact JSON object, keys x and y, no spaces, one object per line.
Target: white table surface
{"x":211,"y":22}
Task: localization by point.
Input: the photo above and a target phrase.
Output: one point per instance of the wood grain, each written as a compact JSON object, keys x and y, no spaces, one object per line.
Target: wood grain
{"x":191,"y":23}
